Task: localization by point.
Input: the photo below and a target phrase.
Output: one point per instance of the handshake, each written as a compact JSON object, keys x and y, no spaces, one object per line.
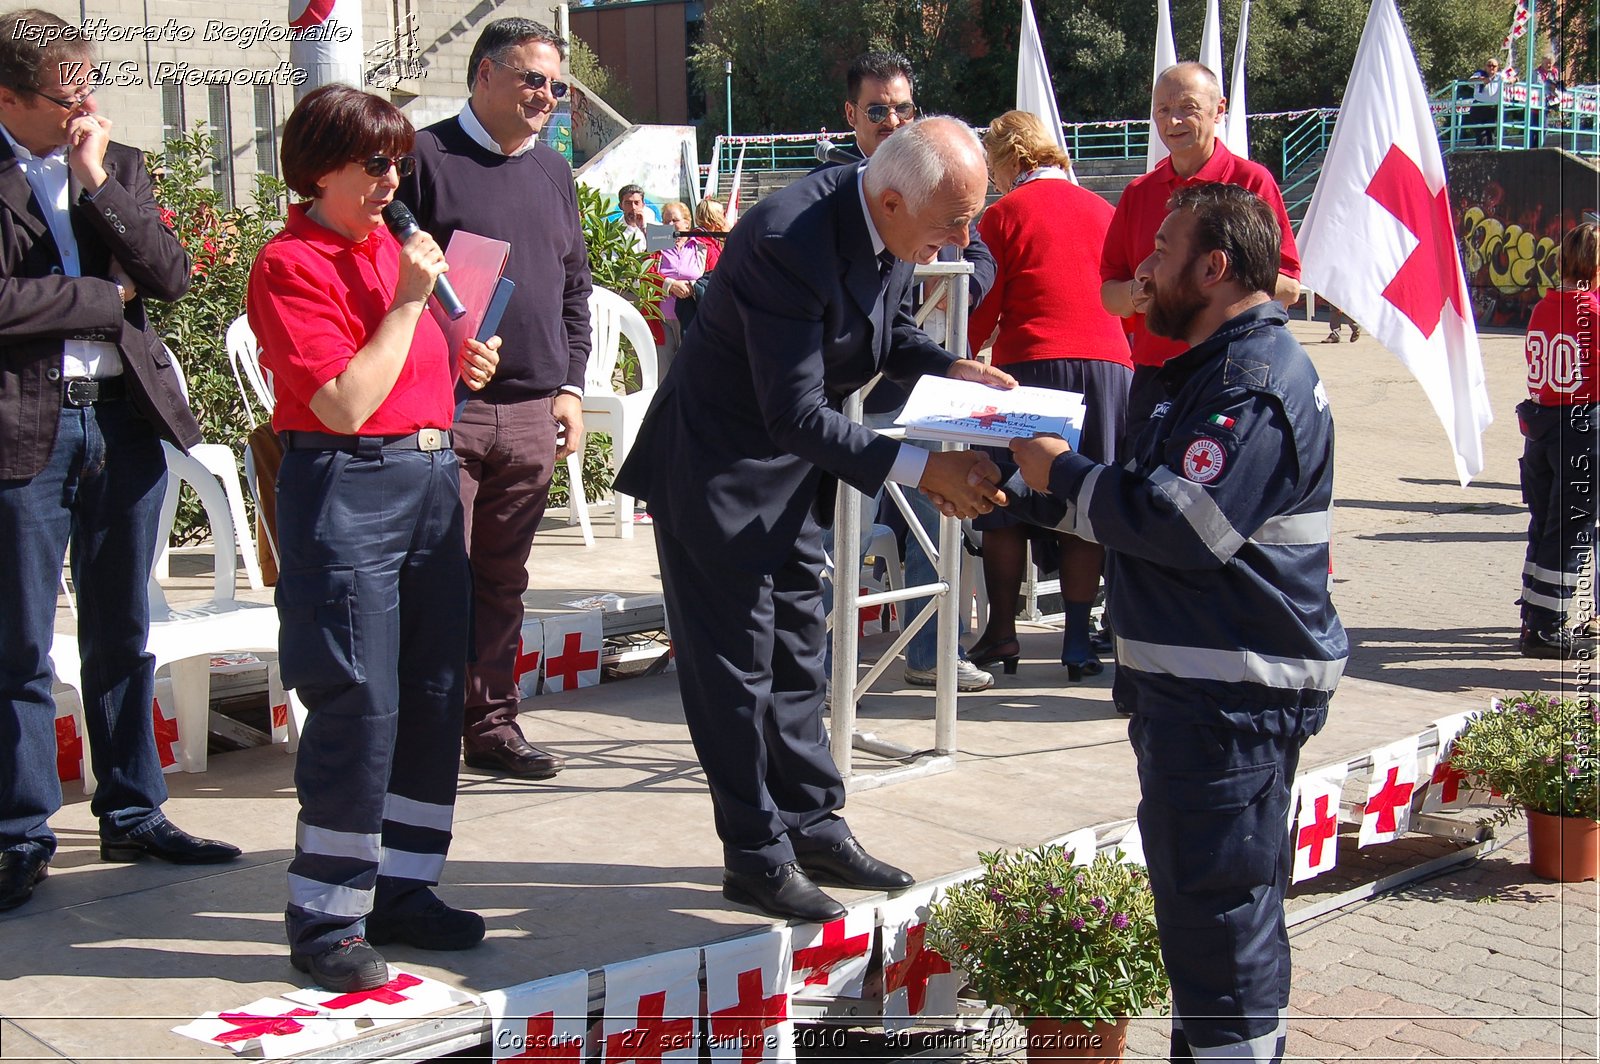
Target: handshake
{"x":962,"y":483}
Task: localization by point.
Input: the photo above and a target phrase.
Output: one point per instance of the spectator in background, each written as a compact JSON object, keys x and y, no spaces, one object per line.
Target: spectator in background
{"x":635,"y":215}
{"x":676,"y":269}
{"x":1336,"y":318}
{"x":708,"y":218}
{"x":1485,"y":110}
{"x":1549,"y":75}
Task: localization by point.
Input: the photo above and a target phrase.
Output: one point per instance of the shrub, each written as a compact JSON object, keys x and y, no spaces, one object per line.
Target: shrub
{"x":1536,"y":751}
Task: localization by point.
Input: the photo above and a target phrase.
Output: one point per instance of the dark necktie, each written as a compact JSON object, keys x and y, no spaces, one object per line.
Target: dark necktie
{"x":886,"y":262}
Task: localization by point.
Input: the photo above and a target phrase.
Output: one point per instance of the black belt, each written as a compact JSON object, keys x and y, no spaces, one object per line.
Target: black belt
{"x":421,"y":440}
{"x":87,"y":391}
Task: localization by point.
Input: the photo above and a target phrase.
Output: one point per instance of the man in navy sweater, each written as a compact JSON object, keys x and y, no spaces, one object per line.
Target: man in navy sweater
{"x":484,"y":171}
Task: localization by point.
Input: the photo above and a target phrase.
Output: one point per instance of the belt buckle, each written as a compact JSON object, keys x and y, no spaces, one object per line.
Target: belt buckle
{"x":430,"y":439}
{"x":81,"y":392}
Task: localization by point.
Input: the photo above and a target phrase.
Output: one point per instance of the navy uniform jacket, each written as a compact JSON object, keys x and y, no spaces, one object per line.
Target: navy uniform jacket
{"x":1217,"y":534}
{"x":744,"y":436}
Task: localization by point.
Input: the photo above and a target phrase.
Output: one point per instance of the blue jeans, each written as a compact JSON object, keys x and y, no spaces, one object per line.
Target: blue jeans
{"x":101,"y":493}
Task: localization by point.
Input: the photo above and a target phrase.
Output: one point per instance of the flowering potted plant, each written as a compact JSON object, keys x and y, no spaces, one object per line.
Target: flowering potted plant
{"x":1070,"y":949}
{"x":1537,"y":752}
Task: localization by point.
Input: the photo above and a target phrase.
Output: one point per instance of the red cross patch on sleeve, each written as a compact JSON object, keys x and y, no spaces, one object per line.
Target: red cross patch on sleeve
{"x":1204,"y":460}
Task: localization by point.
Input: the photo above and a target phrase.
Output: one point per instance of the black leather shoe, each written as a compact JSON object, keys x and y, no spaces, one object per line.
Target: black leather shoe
{"x":516,"y":757}
{"x":784,"y":892}
{"x":350,"y":966}
{"x":20,"y":872}
{"x":167,"y":842}
{"x":1556,"y":642}
{"x":437,"y":926}
{"x":848,"y":865}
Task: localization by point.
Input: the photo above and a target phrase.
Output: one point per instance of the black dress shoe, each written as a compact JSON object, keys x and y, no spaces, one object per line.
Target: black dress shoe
{"x":848,"y":865}
{"x":20,"y":872}
{"x":350,"y":966}
{"x":784,"y":892}
{"x":1556,"y":642}
{"x":435,"y":926}
{"x":516,"y":757}
{"x":167,"y":842}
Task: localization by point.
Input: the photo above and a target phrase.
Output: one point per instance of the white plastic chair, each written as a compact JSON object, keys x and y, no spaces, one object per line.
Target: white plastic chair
{"x":604,"y":408}
{"x":244,"y":355}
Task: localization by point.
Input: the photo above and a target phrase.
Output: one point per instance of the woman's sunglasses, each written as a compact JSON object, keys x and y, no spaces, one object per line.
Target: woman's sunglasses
{"x":378,"y":165}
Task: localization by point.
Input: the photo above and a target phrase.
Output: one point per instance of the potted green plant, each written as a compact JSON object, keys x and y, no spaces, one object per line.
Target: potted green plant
{"x":1070,"y":949}
{"x":1537,"y":752}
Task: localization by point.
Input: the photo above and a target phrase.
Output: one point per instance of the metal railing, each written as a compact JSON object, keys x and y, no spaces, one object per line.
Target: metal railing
{"x":1523,"y":115}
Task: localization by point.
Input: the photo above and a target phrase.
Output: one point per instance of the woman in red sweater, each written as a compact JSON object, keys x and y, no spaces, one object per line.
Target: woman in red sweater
{"x":1046,"y":234}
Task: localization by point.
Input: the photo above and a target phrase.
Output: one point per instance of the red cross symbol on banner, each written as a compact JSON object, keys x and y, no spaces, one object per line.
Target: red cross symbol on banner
{"x":280,"y":715}
{"x":541,"y":1043}
{"x":387,"y":994}
{"x":572,"y":660}
{"x":654,"y":1036}
{"x":527,"y":661}
{"x":1390,"y":797}
{"x":1324,"y":825}
{"x":988,"y":416}
{"x":819,"y":961}
{"x":912,"y":973}
{"x":69,"y":749}
{"x":248,"y":1026}
{"x":1429,"y":277}
{"x":1448,"y":779}
{"x":745,"y":1022}
{"x":166,"y":733}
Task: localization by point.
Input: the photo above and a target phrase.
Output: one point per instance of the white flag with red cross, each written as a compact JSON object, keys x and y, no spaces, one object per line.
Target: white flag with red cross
{"x":405,"y":995}
{"x":1379,"y":240}
{"x":1387,"y":812}
{"x":919,"y":984}
{"x":572,"y":645}
{"x":530,"y":652}
{"x":1316,"y":829}
{"x":269,"y":1028}
{"x":545,"y":1020}
{"x":1447,"y":786}
{"x":164,"y":719}
{"x":71,"y":753}
{"x":830,"y":960}
{"x":652,"y":1010}
{"x":748,"y":1020}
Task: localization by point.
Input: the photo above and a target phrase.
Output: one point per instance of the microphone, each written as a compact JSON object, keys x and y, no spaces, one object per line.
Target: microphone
{"x":829,"y":152}
{"x":402,"y":223}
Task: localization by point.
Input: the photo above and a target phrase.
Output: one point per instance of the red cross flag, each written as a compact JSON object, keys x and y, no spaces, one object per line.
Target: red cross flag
{"x":830,"y":960}
{"x":544,"y":1020}
{"x":169,"y":745}
{"x":651,"y":1009}
{"x":572,"y":643}
{"x":530,"y":651}
{"x":270,"y":1028}
{"x":919,"y":987}
{"x":1519,"y":25}
{"x":1316,"y":830}
{"x":403,"y":996}
{"x":70,"y":762}
{"x":1446,"y":785}
{"x":1387,"y":813}
{"x":1379,"y":240}
{"x":747,"y":999}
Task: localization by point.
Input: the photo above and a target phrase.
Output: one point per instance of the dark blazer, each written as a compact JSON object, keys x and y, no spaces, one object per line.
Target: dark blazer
{"x":40,"y":307}
{"x":745,"y":436}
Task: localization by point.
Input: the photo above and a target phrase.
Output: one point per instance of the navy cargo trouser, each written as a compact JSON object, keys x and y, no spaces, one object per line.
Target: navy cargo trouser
{"x":1559,"y":487}
{"x":373,"y":603}
{"x":1213,"y":813}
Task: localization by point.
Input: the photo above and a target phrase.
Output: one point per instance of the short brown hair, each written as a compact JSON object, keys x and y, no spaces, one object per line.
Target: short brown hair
{"x":31,"y":41}
{"x":335,"y":125}
{"x":1018,"y":139}
{"x":1237,"y":222}
{"x":1580,"y":255}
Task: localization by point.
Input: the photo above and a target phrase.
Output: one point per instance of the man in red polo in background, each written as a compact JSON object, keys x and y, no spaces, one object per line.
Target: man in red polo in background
{"x":1186,"y":106}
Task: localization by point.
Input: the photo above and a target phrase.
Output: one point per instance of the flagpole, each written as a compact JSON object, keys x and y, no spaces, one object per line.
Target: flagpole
{"x":1530,"y":32}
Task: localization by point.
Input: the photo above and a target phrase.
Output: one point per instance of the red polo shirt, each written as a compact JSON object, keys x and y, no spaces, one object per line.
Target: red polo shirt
{"x":315,"y":299}
{"x":1142,"y":209}
{"x":1563,"y":348}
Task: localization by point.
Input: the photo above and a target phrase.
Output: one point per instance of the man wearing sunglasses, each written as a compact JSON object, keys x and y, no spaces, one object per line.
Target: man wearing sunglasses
{"x":486,"y":172}
{"x":87,"y":394}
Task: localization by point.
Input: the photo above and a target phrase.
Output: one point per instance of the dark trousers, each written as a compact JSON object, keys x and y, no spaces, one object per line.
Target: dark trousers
{"x":1213,"y":812}
{"x":101,"y":493}
{"x":749,"y":650}
{"x":507,"y":453}
{"x":1558,"y":486}
{"x":373,"y":606}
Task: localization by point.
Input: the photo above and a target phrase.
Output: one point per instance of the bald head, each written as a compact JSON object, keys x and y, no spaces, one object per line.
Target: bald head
{"x":1196,"y":77}
{"x":925,"y":185}
{"x":1185,"y":107}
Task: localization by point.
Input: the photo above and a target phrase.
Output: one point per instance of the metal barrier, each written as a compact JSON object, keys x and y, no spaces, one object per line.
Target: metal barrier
{"x":1525,"y":115}
{"x":943,"y":280}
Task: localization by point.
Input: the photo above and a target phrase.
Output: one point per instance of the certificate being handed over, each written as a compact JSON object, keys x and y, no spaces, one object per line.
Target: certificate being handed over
{"x":941,"y":408}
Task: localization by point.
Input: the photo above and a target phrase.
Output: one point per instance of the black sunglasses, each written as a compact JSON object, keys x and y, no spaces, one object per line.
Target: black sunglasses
{"x":378,"y":165}
{"x":878,"y":113}
{"x":535,"y":80}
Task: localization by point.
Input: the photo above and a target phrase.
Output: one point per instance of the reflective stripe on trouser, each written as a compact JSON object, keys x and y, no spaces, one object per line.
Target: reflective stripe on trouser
{"x":1558,"y":485}
{"x":1213,"y":813}
{"x":373,"y":603}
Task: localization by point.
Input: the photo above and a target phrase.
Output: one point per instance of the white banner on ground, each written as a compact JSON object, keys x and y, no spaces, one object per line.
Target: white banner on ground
{"x":1316,"y":829}
{"x":572,"y":646}
{"x":1447,"y":787}
{"x":830,"y":960}
{"x":269,"y":1029}
{"x":652,"y":1009}
{"x":546,"y":1019}
{"x":919,"y":985}
{"x":1387,"y":812}
{"x":404,"y":996}
{"x":748,"y":1020}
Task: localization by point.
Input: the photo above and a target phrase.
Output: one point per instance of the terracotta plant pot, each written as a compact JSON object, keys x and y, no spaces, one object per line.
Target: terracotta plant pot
{"x":1563,"y":848}
{"x":1099,"y":1043}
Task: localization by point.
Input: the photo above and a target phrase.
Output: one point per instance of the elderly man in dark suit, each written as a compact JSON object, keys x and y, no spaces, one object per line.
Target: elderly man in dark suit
{"x":87,"y":393}
{"x":739,"y":457}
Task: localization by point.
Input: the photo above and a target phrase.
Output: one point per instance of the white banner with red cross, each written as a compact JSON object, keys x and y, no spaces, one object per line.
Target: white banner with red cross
{"x":830,"y":960}
{"x":270,"y":1028}
{"x":652,"y":1009}
{"x":546,"y":1019}
{"x":919,"y":985}
{"x":72,"y":749}
{"x":530,"y":652}
{"x":1387,"y":812}
{"x":1316,"y":829}
{"x":1447,"y":786}
{"x":405,"y":995}
{"x":164,"y":719}
{"x":572,"y":645}
{"x":748,"y":1020}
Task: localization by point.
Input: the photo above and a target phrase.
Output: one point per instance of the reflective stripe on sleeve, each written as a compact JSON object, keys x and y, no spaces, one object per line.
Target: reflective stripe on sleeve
{"x":1198,"y":508}
{"x":1230,"y":666}
{"x":1295,"y":530}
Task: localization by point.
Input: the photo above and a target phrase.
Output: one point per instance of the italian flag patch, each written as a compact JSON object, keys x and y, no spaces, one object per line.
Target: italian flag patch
{"x":1220,"y":420}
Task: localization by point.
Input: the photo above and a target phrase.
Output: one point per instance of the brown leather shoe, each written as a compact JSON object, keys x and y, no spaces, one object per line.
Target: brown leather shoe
{"x":515,"y":757}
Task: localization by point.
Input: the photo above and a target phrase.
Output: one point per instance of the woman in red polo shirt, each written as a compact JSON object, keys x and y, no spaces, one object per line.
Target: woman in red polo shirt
{"x":374,"y":593}
{"x":1046,"y":234}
